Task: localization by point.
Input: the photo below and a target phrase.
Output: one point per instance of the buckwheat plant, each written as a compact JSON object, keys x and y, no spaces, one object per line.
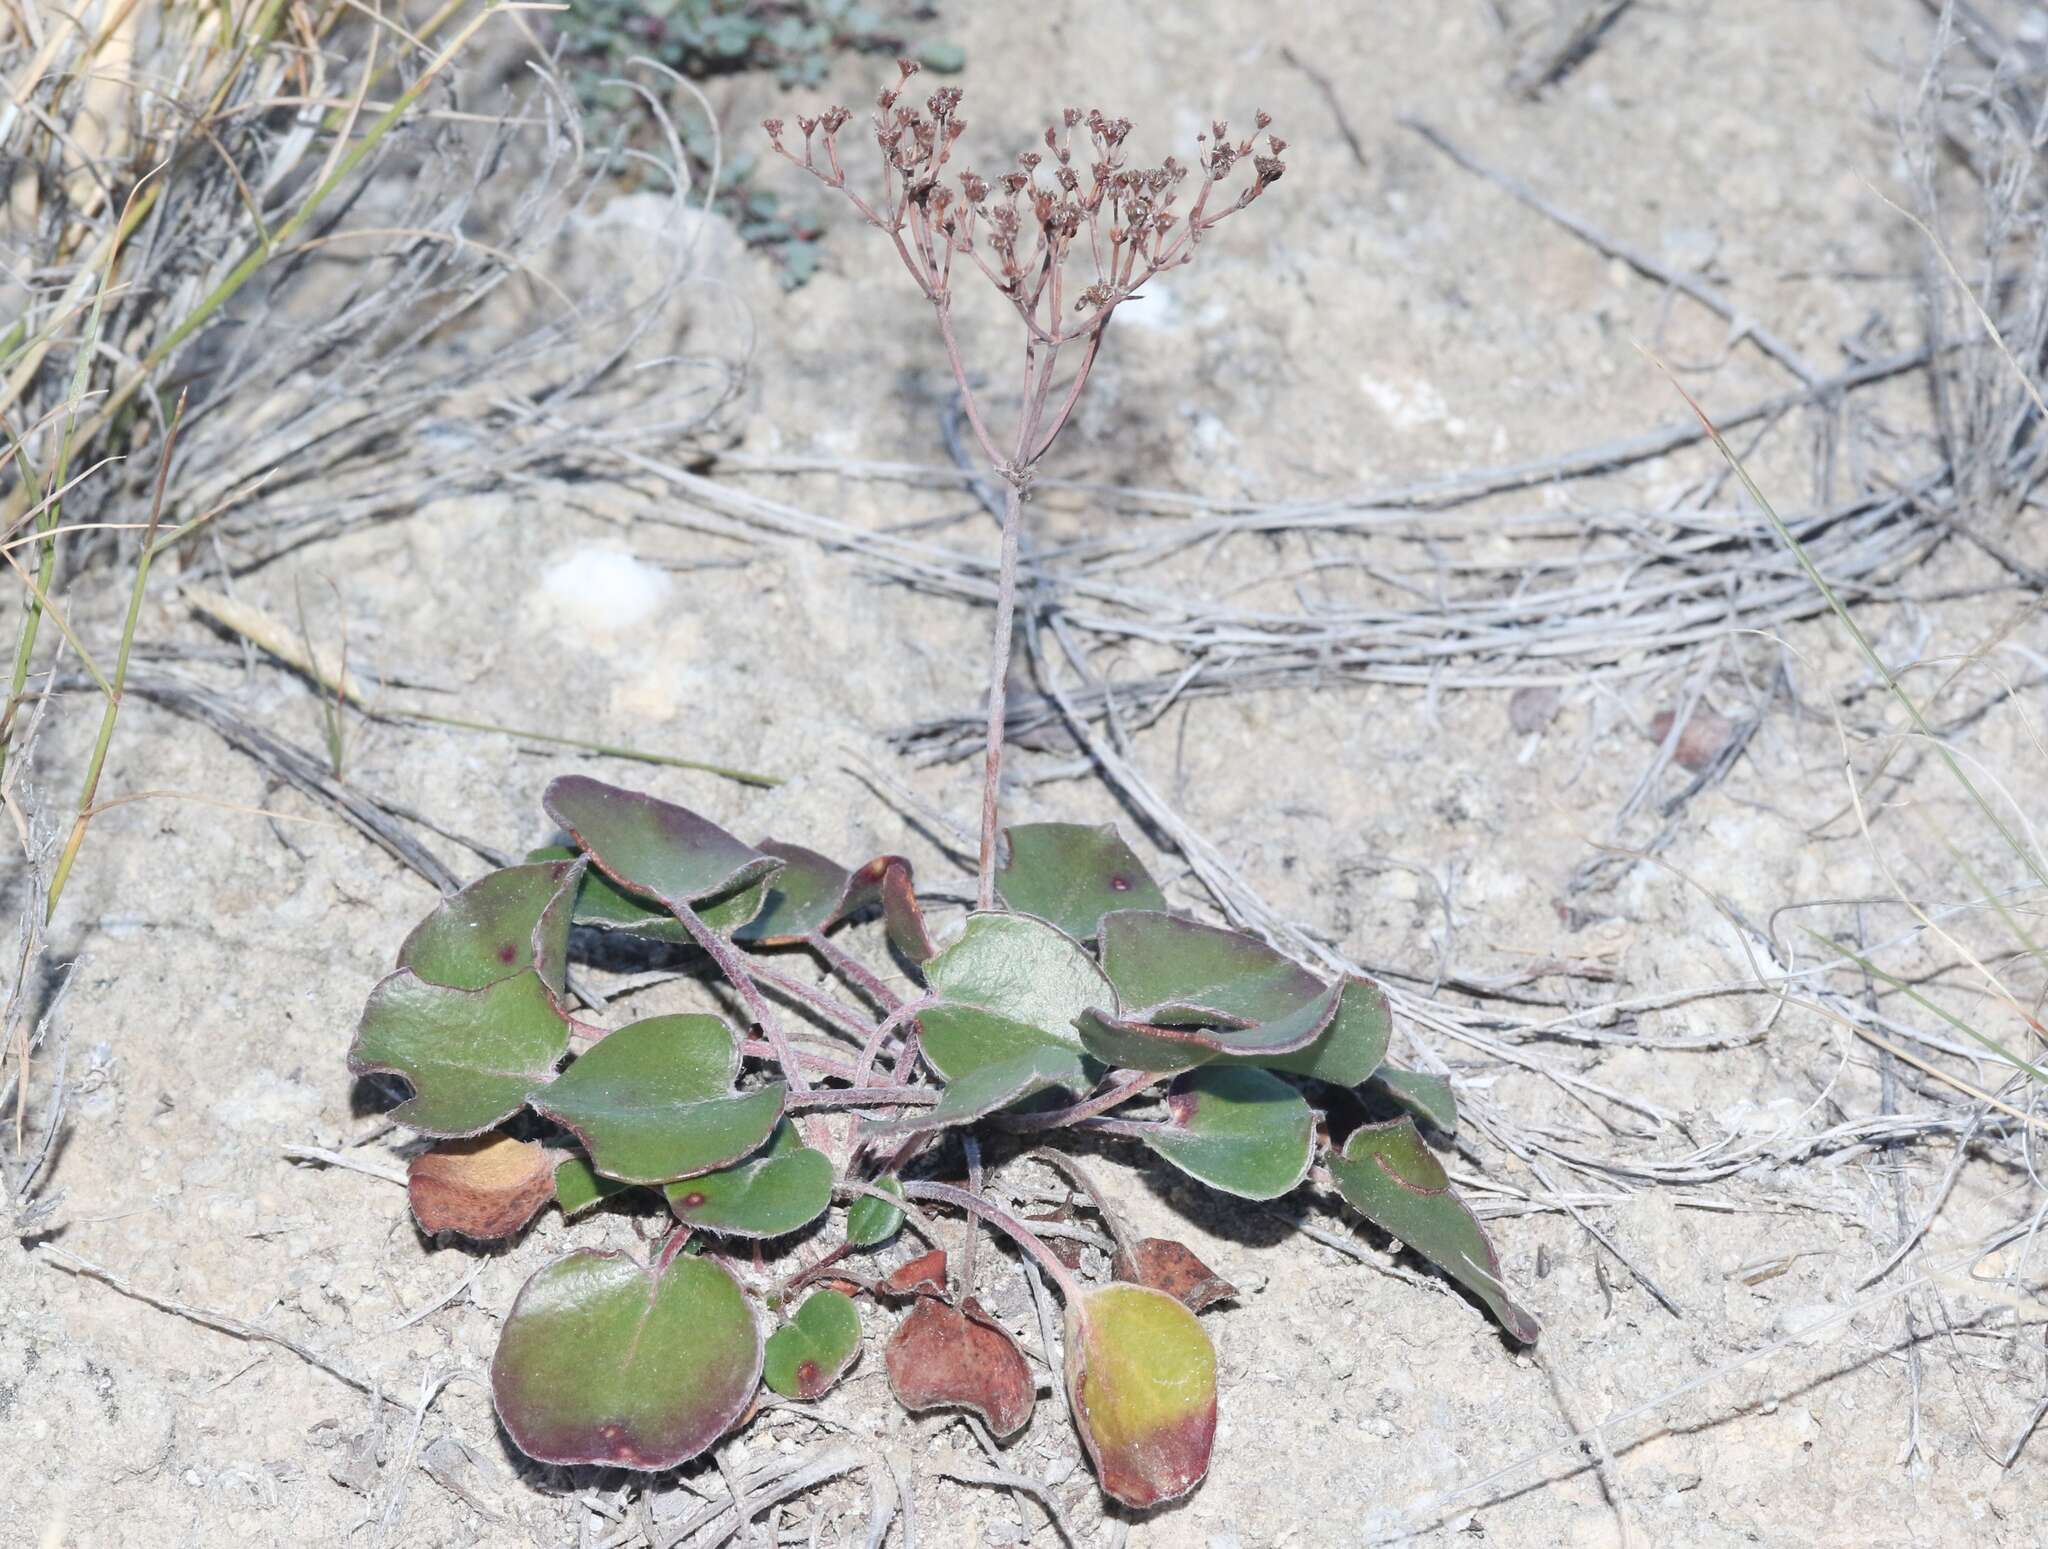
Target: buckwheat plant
{"x":786,"y":1146}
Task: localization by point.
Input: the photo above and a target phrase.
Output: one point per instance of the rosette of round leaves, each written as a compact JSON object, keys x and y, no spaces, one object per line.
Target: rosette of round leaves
{"x":1141,"y":1380}
{"x":605,"y":1360}
{"x":1007,"y":986}
{"x":470,"y":1056}
{"x":1198,"y":994}
{"x":1390,"y":1177}
{"x":1236,"y":1129}
{"x":654,"y":1101}
{"x":1072,"y":874}
{"x":814,"y":1348}
{"x":785,"y":1186}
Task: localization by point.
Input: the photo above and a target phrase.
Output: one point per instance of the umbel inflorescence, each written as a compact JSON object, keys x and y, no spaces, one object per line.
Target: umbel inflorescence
{"x":1067,"y":237}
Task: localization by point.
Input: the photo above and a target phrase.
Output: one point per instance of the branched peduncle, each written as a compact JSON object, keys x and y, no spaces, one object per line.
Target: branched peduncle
{"x":1074,"y":202}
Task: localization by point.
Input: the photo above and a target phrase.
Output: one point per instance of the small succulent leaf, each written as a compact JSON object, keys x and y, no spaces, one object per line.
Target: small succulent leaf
{"x":471,"y":1056}
{"x":805,"y":896}
{"x":1159,"y":960}
{"x":943,"y":1356}
{"x":653,"y":1101}
{"x":813,"y":1349}
{"x":887,"y":878}
{"x":1349,"y":1050}
{"x":506,"y":920}
{"x":785,"y":1186}
{"x":993,"y":1088}
{"x":870,"y":1222}
{"x":603,"y":903}
{"x":1237,"y":1129}
{"x":1428,"y":1099}
{"x":604,"y":1360}
{"x":1390,"y":1177}
{"x":654,"y":847}
{"x":1073,"y":874}
{"x":1022,"y":968}
{"x":1172,"y":1267}
{"x":1162,"y":1044}
{"x":486,"y":1187}
{"x":924,"y":1275}
{"x":959,"y":1040}
{"x":1141,"y":1379}
{"x":578,"y":1185}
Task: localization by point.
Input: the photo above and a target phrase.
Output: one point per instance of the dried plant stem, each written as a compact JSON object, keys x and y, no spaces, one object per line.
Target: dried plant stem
{"x":112,"y":712}
{"x":1071,"y":1290}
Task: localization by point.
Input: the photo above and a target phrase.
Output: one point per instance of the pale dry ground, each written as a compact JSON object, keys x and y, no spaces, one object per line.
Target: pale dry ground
{"x":1379,"y":319}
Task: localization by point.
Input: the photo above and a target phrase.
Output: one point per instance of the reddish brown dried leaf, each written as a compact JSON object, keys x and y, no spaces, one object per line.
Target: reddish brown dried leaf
{"x":943,"y":1356}
{"x":1169,"y":1266}
{"x":923,"y":1275}
{"x":486,"y":1187}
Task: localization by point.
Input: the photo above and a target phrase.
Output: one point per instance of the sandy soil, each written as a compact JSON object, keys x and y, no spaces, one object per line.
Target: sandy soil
{"x":1383,"y":317}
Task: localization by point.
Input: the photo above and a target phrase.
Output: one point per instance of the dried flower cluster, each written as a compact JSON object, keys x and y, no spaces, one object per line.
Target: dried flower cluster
{"x":1067,"y":237}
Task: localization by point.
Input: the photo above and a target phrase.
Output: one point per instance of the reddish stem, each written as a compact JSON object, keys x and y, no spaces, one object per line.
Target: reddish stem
{"x":944,"y":1193}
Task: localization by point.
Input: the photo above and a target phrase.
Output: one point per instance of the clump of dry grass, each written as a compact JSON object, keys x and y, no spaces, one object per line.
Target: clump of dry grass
{"x":236,"y":242}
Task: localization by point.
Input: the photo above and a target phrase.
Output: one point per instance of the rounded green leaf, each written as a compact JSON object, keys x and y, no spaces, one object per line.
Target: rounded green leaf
{"x":578,"y":1185}
{"x":870,"y":1222}
{"x":654,"y":1102}
{"x":471,"y":1056}
{"x":806,"y":895}
{"x":1073,"y":874}
{"x":787,"y":1186}
{"x":813,"y":1349}
{"x":506,"y":920}
{"x":603,"y":1360}
{"x":654,"y":847}
{"x":1390,"y":1177}
{"x":603,"y":903}
{"x":1158,"y":1044}
{"x":1141,"y":1379}
{"x":1425,"y":1098}
{"x":959,"y":1040}
{"x":1024,"y":969}
{"x":1238,"y":1130}
{"x":994,"y":1087}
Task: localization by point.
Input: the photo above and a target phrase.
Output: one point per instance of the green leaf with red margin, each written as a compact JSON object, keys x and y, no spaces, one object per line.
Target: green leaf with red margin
{"x":1161,"y":1046}
{"x":813,"y":1349}
{"x":1073,"y":874}
{"x":1427,"y":1099}
{"x":486,"y":1187}
{"x":604,"y":1360}
{"x":506,"y":920}
{"x":1180,"y":972}
{"x":578,"y":1185}
{"x":993,"y":1088}
{"x":1390,"y":1177}
{"x":662,"y":851}
{"x":959,"y":1040}
{"x":784,"y":1186}
{"x":944,"y":1357}
{"x":603,"y":903}
{"x":806,"y":895}
{"x":1141,"y":1379}
{"x":471,"y":1056}
{"x":654,"y":1101}
{"x":1239,"y":1130}
{"x":1024,"y":969}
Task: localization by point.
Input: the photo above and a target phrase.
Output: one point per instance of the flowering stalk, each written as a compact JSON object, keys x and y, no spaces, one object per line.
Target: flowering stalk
{"x":1066,"y":239}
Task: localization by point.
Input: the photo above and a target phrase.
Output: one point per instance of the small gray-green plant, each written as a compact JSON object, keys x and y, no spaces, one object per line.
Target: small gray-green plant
{"x":1072,"y":1001}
